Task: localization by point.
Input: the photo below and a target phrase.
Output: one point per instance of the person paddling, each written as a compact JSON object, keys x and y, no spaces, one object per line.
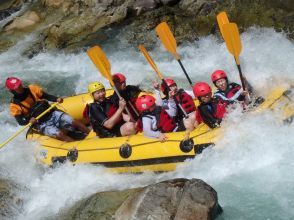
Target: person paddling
{"x":228,"y":91}
{"x":173,"y":98}
{"x":106,"y":118}
{"x":211,"y":109}
{"x":128,"y":92}
{"x":29,"y":102}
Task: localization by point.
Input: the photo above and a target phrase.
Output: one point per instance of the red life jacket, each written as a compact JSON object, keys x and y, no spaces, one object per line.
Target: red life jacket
{"x":165,"y":123}
{"x":221,"y":106}
{"x":186,"y":101}
{"x":198,"y":116}
{"x":233,"y":90}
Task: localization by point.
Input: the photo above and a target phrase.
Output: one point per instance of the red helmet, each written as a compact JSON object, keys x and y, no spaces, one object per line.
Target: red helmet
{"x":201,"y":89}
{"x":169,"y":83}
{"x":118,"y":77}
{"x":145,"y":102}
{"x":13,"y":83}
{"x":218,"y":74}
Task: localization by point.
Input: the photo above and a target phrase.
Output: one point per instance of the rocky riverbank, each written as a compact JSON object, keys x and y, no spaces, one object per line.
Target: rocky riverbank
{"x":176,"y":199}
{"x":71,"y":25}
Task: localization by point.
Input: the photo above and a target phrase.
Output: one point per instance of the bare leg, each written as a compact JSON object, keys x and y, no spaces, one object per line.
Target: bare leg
{"x":127,"y":129}
{"x":63,"y":137}
{"x":189,"y":124}
{"x":80,"y":126}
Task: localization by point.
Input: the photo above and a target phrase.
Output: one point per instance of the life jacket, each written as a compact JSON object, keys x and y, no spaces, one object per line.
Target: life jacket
{"x":232,"y":93}
{"x":165,"y":123}
{"x":22,"y":105}
{"x":217,"y":108}
{"x":39,"y":108}
{"x":186,"y":101}
{"x":198,"y":116}
{"x":108,"y":109}
{"x":130,"y":95}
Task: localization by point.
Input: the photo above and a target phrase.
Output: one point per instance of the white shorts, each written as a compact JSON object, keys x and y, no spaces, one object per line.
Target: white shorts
{"x":58,"y":120}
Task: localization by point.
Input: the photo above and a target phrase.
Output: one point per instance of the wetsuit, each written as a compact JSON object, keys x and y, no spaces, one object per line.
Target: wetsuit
{"x":129,"y":94}
{"x":99,"y":113}
{"x":213,"y":112}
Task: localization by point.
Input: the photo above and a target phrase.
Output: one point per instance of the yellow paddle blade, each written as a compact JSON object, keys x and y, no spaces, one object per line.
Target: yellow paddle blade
{"x":150,"y":61}
{"x":232,"y":39}
{"x":222,"y":19}
{"x":167,"y":38}
{"x":100,"y":60}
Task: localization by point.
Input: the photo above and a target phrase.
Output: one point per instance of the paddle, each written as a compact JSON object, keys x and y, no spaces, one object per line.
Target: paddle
{"x":153,"y":65}
{"x":222,"y":19}
{"x":100,"y":60}
{"x":234,"y":46}
{"x":168,"y":40}
{"x":231,"y":36}
{"x":28,"y":125}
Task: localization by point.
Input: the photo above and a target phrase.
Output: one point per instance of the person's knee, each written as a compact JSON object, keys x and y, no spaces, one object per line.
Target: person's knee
{"x":189,"y":123}
{"x":63,"y":137}
{"x":128,"y":128}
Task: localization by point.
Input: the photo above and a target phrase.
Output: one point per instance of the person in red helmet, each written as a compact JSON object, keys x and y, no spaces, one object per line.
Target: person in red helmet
{"x":175,"y":97}
{"x":154,"y":120}
{"x":211,"y":109}
{"x":128,"y":92}
{"x":29,"y":102}
{"x":228,"y":91}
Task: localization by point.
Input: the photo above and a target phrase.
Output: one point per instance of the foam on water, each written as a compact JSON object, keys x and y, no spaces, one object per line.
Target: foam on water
{"x":250,"y":167}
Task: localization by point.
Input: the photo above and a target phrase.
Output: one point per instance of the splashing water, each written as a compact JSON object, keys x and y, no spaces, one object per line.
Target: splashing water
{"x":250,"y":167}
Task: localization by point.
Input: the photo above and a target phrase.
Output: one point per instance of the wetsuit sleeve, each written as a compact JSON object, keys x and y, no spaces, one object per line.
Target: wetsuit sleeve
{"x":147,"y":128}
{"x":97,"y":116}
{"x":22,"y":120}
{"x":208,"y":118}
{"x":49,"y":97}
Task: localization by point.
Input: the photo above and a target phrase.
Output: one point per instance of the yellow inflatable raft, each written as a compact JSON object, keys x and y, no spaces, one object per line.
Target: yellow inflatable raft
{"x":137,"y":153}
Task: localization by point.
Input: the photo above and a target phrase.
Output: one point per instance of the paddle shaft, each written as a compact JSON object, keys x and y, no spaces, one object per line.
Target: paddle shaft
{"x":186,"y":74}
{"x":28,"y":125}
{"x":134,"y":109}
{"x":242,"y":78}
{"x":119,"y":96}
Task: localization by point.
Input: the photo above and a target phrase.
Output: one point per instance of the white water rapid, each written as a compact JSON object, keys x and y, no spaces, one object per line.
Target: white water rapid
{"x":251,"y":166}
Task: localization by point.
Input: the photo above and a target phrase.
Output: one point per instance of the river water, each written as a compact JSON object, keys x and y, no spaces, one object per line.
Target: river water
{"x":251,"y":166}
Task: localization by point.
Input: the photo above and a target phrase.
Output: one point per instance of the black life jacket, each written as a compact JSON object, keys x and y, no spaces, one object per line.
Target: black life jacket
{"x":108,"y":109}
{"x":130,"y":95}
{"x":38,"y":108}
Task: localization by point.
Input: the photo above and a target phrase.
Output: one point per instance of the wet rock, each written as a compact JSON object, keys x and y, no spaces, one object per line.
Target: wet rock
{"x":23,"y":22}
{"x":99,"y":206}
{"x":8,"y":7}
{"x":74,"y":24}
{"x":10,"y":204}
{"x":173,"y":199}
